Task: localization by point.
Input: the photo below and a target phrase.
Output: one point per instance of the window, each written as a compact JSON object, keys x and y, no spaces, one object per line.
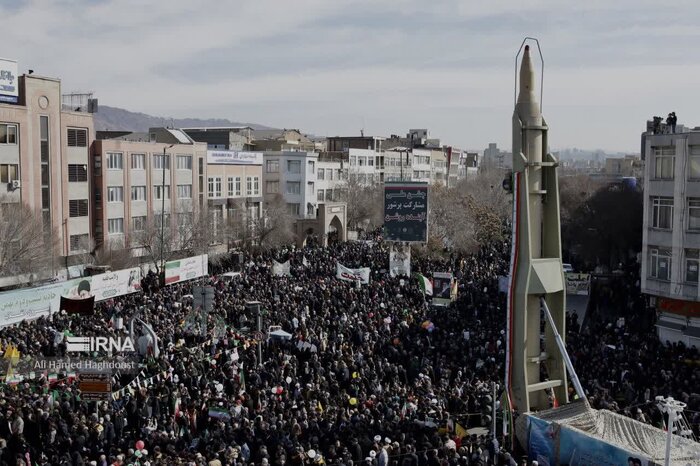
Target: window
{"x":370,"y":161}
{"x":256,"y":186}
{"x":97,"y":165}
{"x":79,"y":242}
{"x":659,"y":263}
{"x":320,"y":195}
{"x":138,"y":193}
{"x":214,"y":187}
{"x":310,"y":185}
{"x":8,"y":173}
{"x":231,"y":187}
{"x":184,"y":191}
{"x":272,"y":187}
{"x":115,"y":226}
{"x":115,"y":194}
{"x":161,"y":162}
{"x":293,"y":187}
{"x":294,"y":166}
{"x":321,"y":175}
{"x":272,"y":166}
{"x":293,"y":209}
{"x":78,"y":207}
{"x":353,"y":161}
{"x":249,"y":186}
{"x":692,"y":261}
{"x":362,"y":161}
{"x":662,"y":212}
{"x":184,"y":162}
{"x":158,"y":192}
{"x":310,"y":209}
{"x":8,"y":134}
{"x":694,"y":213}
{"x":114,"y":161}
{"x":77,"y":137}
{"x":694,"y":163}
{"x":238,"y":186}
{"x":312,"y":166}
{"x":138,"y":161}
{"x":138,"y":223}
{"x":77,"y":172}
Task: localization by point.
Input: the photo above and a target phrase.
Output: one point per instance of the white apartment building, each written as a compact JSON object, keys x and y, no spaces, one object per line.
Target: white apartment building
{"x":330,"y":176}
{"x":397,"y":164}
{"x":366,"y":165}
{"x":671,"y":236}
{"x":293,"y":176}
{"x":421,"y":165}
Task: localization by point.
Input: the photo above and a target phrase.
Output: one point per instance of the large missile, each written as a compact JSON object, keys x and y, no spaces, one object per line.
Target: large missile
{"x":536,"y":264}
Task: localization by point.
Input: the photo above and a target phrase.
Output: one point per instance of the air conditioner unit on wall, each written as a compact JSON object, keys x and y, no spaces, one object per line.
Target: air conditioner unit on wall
{"x":15,"y":184}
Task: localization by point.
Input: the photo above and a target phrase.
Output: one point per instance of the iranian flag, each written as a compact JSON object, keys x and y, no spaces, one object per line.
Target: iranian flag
{"x":425,"y":284}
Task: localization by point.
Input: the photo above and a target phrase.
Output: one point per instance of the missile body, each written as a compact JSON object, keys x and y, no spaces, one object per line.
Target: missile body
{"x":536,"y":264}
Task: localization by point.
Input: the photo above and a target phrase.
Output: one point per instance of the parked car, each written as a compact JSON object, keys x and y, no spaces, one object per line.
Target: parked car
{"x":568,"y":268}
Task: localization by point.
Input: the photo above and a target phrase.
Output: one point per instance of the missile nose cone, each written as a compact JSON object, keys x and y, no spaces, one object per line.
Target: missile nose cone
{"x":527,"y":78}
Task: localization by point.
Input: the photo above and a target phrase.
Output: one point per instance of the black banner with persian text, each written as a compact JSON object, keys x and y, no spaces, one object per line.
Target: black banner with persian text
{"x":406,"y":212}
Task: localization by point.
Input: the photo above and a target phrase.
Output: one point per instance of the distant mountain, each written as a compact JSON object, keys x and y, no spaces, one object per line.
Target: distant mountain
{"x":118,"y":119}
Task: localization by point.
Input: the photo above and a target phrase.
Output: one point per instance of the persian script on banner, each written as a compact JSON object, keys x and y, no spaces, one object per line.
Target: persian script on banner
{"x":353,"y":275}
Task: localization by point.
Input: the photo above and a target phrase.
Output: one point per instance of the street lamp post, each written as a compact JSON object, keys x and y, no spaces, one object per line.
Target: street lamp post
{"x":162,"y":215}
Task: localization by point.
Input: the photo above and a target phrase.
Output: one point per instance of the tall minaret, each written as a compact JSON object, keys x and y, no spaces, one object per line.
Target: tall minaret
{"x":536,"y":264}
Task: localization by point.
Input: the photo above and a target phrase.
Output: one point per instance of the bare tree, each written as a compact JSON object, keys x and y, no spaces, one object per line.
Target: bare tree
{"x":365,"y":202}
{"x":24,"y":246}
{"x":190,"y":232}
{"x":276,"y":227}
{"x":467,"y":215}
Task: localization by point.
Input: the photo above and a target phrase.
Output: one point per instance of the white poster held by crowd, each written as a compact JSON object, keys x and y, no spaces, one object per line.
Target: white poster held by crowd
{"x":400,"y":260}
{"x":360,"y":275}
{"x":281,"y":270}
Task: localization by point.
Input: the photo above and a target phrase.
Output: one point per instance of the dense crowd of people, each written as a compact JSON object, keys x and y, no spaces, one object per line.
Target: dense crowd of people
{"x":371,"y":375}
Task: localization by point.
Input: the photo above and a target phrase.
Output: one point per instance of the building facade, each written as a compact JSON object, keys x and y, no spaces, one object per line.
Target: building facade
{"x":331,"y":176}
{"x":135,"y":182}
{"x":292,"y":175}
{"x":238,"y":138}
{"x":671,"y":236}
{"x":235,"y":191}
{"x":44,"y":163}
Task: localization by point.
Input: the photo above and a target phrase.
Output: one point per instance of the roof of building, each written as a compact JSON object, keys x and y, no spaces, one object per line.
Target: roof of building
{"x":217,"y":128}
{"x":180,"y":135}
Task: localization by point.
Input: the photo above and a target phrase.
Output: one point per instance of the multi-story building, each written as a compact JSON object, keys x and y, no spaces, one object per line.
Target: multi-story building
{"x":438,"y":167}
{"x":44,"y":161}
{"x":135,"y":181}
{"x":422,"y":166}
{"x":281,"y":140}
{"x":292,"y":175}
{"x":238,"y":138}
{"x":366,"y":166}
{"x":331,"y":174}
{"x":671,"y":236}
{"x":469,"y":165}
{"x":398,"y":164}
{"x":234,"y":190}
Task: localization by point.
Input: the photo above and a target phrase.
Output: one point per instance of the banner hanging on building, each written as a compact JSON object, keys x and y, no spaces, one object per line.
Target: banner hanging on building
{"x":31,"y":303}
{"x":406,"y":212}
{"x":233,"y":157}
{"x":186,"y":269}
{"x":281,"y":269}
{"x":399,"y":260}
{"x":9,"y":81}
{"x":353,"y":275}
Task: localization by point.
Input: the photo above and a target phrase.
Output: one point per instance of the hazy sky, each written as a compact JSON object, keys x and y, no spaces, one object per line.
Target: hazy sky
{"x":331,"y":67}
